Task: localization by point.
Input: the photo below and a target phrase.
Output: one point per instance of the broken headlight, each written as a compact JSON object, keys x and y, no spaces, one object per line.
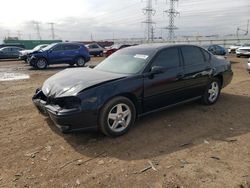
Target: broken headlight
{"x":68,"y":102}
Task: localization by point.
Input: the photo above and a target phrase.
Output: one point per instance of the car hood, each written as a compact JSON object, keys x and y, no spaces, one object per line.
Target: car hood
{"x":70,"y":82}
{"x":244,"y":48}
{"x":24,"y":52}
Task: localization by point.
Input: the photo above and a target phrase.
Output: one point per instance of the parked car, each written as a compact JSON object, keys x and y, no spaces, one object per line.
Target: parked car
{"x":133,"y":82}
{"x":95,"y":49}
{"x":12,"y":45}
{"x":216,"y":49}
{"x":60,"y":53}
{"x":243,"y":51}
{"x":24,"y":53}
{"x":233,"y":48}
{"x":10,"y":52}
{"x":248,"y":65}
{"x":107,"y":52}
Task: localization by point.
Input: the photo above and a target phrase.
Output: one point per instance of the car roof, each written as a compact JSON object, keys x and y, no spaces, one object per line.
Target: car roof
{"x":71,"y":43}
{"x":159,"y":46}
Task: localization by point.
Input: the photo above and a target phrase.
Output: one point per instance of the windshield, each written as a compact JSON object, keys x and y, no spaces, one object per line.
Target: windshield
{"x":49,"y":46}
{"x":37,"y":48}
{"x":126,"y":61}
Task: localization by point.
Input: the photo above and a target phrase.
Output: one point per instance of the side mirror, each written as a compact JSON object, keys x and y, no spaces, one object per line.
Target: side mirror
{"x":50,"y":50}
{"x":157,"y":70}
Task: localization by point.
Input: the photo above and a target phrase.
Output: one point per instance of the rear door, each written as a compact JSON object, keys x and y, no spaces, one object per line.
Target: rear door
{"x":197,"y":70}
{"x":165,"y":88}
{"x":71,"y":51}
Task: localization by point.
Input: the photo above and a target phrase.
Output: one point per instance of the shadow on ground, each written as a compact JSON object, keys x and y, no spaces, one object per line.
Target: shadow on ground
{"x":165,"y":132}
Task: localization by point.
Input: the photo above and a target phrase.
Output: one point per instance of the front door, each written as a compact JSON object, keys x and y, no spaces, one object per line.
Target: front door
{"x":166,"y":88}
{"x":56,"y":55}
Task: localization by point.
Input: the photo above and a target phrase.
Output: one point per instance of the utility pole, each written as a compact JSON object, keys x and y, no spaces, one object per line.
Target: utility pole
{"x":244,"y":30}
{"x":19,"y":34}
{"x":37,"y":27}
{"x":52,"y":30}
{"x":172,"y":13}
{"x":152,"y":33}
{"x":149,"y":12}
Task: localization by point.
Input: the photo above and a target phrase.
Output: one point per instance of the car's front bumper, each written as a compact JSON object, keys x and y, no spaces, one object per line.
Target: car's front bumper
{"x":23,"y":57}
{"x":66,"y":120}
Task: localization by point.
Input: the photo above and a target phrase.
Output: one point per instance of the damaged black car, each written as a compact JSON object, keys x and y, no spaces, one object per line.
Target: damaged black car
{"x":132,"y":82}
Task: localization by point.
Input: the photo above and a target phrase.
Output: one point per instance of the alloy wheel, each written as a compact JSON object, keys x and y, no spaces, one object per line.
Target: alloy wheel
{"x":213,"y":91}
{"x":119,"y":117}
{"x":41,"y":63}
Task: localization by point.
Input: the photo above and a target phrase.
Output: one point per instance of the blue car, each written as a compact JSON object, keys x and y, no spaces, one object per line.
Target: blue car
{"x":60,"y":53}
{"x":216,"y":49}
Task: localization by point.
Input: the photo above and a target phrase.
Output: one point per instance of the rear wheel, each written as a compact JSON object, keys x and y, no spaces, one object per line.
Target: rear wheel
{"x":41,"y":63}
{"x":80,"y":61}
{"x":212,"y":92}
{"x":117,"y":116}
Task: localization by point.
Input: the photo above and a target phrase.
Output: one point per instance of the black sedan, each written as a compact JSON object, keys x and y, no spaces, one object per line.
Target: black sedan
{"x":130,"y":83}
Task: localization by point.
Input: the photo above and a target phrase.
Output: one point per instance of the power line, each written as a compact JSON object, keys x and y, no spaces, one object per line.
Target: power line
{"x":52,"y":30}
{"x":149,"y":12}
{"x":172,"y":13}
{"x":37,"y":27}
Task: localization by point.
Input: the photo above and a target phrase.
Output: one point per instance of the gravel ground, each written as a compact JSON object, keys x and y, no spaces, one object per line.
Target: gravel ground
{"x":187,"y":146}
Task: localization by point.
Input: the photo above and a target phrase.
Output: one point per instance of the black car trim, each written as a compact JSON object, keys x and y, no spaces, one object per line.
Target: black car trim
{"x":169,"y":106}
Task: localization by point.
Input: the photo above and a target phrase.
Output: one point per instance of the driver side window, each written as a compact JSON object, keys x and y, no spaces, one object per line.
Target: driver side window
{"x":168,"y":58}
{"x":58,"y":48}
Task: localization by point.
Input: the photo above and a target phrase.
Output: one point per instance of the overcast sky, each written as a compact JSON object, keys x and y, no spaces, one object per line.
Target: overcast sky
{"x":78,"y":19}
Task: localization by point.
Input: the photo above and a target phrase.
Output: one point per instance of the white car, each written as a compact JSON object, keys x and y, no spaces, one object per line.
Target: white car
{"x":248,"y":65}
{"x":234,"y":47}
{"x":243,"y":51}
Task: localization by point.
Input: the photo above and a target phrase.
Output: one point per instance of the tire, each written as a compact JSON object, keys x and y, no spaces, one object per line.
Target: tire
{"x":80,"y":61}
{"x":212,"y":92}
{"x":101,"y":54}
{"x":117,"y":116}
{"x":41,"y":63}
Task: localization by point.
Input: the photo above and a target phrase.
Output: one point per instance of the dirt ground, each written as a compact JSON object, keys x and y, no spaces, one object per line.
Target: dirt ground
{"x":187,"y":146}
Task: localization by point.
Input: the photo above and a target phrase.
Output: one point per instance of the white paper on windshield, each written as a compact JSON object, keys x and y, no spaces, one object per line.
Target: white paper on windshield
{"x":141,"y":56}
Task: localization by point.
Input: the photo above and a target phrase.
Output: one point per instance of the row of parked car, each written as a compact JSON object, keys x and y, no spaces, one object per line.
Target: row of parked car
{"x":240,"y":49}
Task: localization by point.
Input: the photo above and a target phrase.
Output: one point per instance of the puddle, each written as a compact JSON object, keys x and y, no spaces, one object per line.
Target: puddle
{"x":9,"y":75}
{"x":13,"y":76}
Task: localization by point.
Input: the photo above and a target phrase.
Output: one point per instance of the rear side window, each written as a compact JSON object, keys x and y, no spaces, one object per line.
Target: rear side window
{"x":71,"y":47}
{"x":168,"y":58}
{"x":206,"y":55}
{"x":192,"y":55}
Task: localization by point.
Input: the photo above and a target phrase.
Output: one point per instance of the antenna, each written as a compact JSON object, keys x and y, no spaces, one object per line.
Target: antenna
{"x":149,"y":12}
{"x":172,"y":13}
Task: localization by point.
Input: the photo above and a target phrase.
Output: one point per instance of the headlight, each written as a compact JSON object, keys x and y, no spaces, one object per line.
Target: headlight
{"x":68,"y":102}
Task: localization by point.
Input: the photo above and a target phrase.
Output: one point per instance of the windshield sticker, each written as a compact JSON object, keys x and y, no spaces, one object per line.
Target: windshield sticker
{"x":141,"y":56}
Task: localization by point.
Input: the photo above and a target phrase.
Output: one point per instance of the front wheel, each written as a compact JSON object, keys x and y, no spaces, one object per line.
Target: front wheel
{"x":41,"y":63}
{"x":212,"y":92}
{"x":80,"y":61}
{"x":117,"y":116}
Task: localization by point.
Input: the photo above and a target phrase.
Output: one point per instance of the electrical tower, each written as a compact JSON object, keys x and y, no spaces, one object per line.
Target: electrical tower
{"x":37,"y":27}
{"x":52,"y":30}
{"x":149,"y":12}
{"x":244,"y":30}
{"x":172,"y":13}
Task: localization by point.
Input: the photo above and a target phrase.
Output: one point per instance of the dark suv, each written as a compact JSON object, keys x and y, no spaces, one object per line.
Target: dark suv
{"x":60,"y":53}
